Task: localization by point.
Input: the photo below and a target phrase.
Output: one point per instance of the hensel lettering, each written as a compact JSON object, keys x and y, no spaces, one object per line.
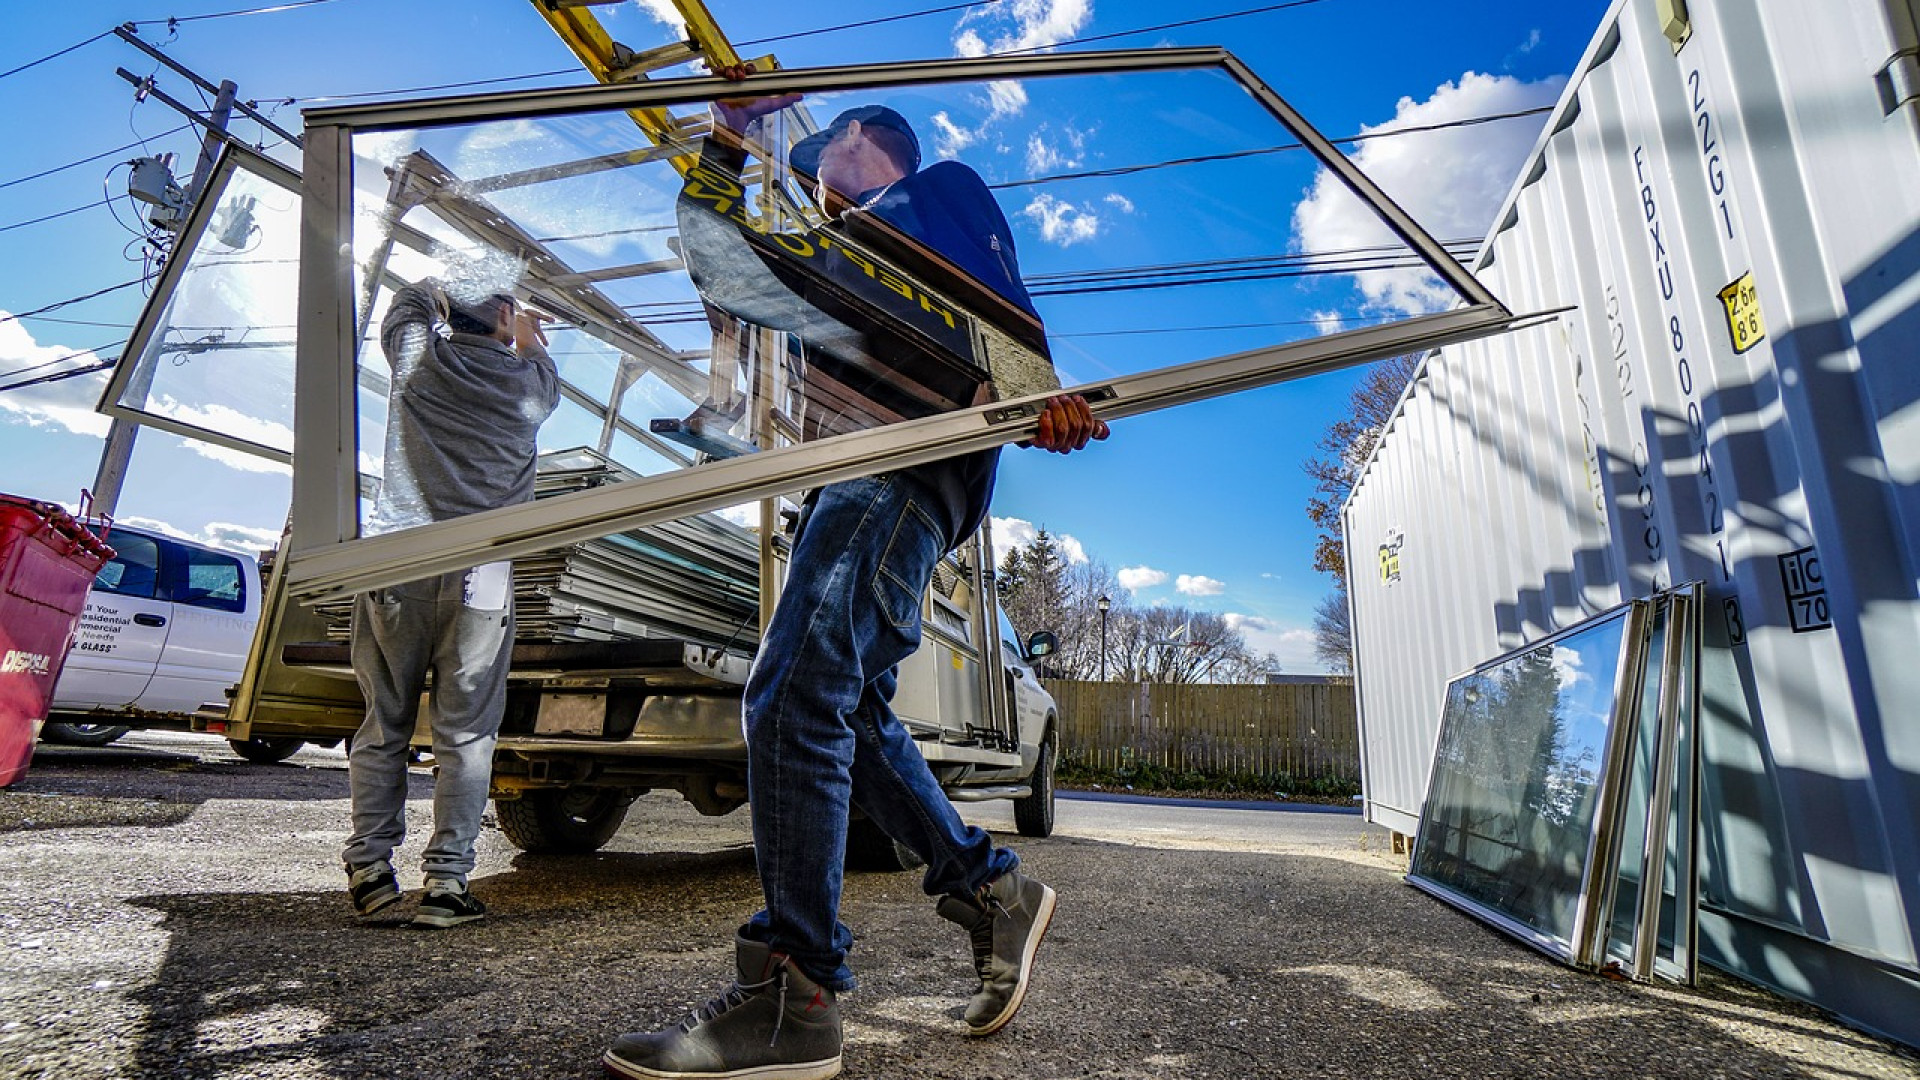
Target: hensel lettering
{"x":726,"y":199}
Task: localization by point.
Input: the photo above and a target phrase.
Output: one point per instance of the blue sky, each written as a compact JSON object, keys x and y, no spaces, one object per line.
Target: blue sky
{"x":1207,"y":496}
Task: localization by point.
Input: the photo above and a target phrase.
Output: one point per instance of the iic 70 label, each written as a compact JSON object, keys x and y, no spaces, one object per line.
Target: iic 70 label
{"x":1806,"y":588}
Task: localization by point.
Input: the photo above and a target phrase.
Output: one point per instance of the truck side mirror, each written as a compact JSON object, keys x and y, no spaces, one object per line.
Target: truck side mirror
{"x":1042,"y":643}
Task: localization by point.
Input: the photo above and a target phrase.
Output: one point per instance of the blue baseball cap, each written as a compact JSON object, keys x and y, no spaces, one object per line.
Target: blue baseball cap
{"x":805,"y":155}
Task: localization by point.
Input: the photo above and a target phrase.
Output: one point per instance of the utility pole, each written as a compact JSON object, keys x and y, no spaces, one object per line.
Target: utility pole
{"x":114,"y":457}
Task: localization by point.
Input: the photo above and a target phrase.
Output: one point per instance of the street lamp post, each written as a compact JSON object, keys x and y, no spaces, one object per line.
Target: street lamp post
{"x":1103,"y":604}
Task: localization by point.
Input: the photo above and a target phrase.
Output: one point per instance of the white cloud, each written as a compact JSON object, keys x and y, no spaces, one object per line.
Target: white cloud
{"x":660,"y":11}
{"x":1003,"y":99}
{"x":221,"y":534}
{"x":1021,"y":25}
{"x":1567,"y":665}
{"x":1060,"y":222}
{"x":67,"y":404}
{"x":230,"y":421}
{"x":1135,"y":578}
{"x":746,"y":515}
{"x":1007,"y":98}
{"x":950,"y":138}
{"x":1119,"y":202}
{"x":1018,"y":25}
{"x":1532,"y":42}
{"x":1010,"y":534}
{"x":1048,"y":152}
{"x":1452,"y":181}
{"x":1199,"y":585}
{"x":236,"y":459}
{"x":1328,"y":322}
{"x":1292,"y":646}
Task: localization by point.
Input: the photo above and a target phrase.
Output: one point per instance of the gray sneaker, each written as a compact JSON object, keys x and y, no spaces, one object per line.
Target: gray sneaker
{"x":1006,"y":920}
{"x":773,"y":1023}
{"x":373,"y":887}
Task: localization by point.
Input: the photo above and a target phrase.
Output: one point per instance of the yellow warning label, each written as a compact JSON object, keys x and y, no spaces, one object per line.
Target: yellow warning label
{"x":1742,"y":302}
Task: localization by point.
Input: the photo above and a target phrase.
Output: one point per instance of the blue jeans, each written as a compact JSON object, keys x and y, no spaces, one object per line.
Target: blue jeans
{"x":821,"y":735}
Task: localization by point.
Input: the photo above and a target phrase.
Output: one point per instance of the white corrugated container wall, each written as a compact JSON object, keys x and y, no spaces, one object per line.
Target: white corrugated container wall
{"x":1768,"y":167}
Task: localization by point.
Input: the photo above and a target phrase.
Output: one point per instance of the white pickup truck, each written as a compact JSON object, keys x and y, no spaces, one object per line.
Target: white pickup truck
{"x":166,"y":629}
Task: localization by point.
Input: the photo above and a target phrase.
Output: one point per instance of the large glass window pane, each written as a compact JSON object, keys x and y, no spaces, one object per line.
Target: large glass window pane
{"x":1643,"y":760}
{"x":212,"y":581}
{"x":714,"y":297}
{"x":1517,"y":777}
{"x":215,"y":361}
{"x":134,"y":569}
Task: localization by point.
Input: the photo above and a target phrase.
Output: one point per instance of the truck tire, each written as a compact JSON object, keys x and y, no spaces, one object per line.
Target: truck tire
{"x":59,"y":731}
{"x":1033,"y":815}
{"x":870,"y":848}
{"x":562,"y":821}
{"x":267,"y":749}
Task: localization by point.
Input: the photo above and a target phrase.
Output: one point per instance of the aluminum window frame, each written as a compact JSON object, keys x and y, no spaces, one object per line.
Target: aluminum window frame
{"x":1675,"y":772}
{"x":327,"y":558}
{"x":234,"y":157}
{"x":1589,"y":905}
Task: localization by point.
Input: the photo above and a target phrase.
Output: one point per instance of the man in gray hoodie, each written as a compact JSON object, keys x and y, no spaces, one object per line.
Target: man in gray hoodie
{"x":463,"y":415}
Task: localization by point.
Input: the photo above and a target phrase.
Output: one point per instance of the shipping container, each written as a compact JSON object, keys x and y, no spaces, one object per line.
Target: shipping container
{"x":1726,"y":201}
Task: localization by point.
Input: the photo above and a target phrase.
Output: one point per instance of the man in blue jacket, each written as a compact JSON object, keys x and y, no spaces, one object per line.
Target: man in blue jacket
{"x":821,"y":735}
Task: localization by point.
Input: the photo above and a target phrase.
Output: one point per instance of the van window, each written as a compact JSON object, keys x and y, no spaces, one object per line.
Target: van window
{"x":213,"y":580}
{"x":134,"y":568}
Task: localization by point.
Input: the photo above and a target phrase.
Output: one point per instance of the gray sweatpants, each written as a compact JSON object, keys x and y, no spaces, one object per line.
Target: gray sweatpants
{"x":459,"y":627}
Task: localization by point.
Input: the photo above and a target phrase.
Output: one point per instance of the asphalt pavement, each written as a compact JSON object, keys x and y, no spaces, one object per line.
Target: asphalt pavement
{"x":170,"y":911}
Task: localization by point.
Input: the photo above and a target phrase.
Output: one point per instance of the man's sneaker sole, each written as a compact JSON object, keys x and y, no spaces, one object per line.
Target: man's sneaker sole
{"x":377,"y":903}
{"x":617,"y":1066}
{"x":441,"y":920}
{"x":1040,"y":924}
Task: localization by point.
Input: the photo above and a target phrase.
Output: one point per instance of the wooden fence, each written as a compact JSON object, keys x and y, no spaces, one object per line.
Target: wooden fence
{"x":1306,"y":732}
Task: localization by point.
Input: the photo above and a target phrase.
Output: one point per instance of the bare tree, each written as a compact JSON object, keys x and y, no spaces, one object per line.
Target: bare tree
{"x":1346,"y":446}
{"x":1333,"y":632}
{"x":1180,"y":645}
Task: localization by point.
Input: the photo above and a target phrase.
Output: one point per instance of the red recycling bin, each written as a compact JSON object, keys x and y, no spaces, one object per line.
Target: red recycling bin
{"x":47,"y":562}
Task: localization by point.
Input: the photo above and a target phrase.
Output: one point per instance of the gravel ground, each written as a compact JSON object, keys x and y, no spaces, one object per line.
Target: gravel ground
{"x":169,"y":910}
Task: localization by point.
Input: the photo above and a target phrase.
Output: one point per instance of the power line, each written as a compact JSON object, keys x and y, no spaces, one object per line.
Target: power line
{"x":55,"y":55}
{"x":95,"y":351}
{"x":1162,"y":26}
{"x":574,"y":70}
{"x":1128,"y":170}
{"x":60,"y":375}
{"x":96,"y":157}
{"x":80,"y":322}
{"x":424,"y":89}
{"x":1194,"y":329}
{"x":169,"y":22}
{"x":862,"y":23}
{"x":74,"y":300}
{"x":178,"y":19}
{"x":60,"y":214}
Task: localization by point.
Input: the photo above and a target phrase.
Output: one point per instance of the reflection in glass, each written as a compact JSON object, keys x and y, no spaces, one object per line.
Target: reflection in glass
{"x":1633,"y":827}
{"x":1510,"y":812}
{"x":1563,"y":798}
{"x":217,"y":359}
{"x":715,"y":295}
